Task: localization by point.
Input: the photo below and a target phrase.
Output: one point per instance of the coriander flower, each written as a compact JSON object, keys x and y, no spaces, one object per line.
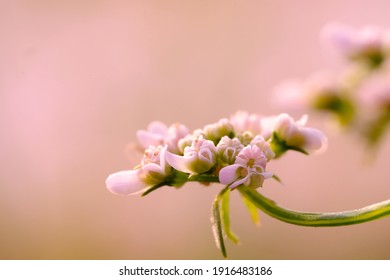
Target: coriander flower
{"x":267,"y":126}
{"x":216,"y":131}
{"x":154,"y":135}
{"x":158,"y":133}
{"x":228,"y":149}
{"x":370,"y":42}
{"x":153,"y":170}
{"x":264,"y":146}
{"x":319,"y":91}
{"x":243,"y":121}
{"x":248,"y":169}
{"x":295,"y":135}
{"x":198,"y":158}
{"x":175,"y":133}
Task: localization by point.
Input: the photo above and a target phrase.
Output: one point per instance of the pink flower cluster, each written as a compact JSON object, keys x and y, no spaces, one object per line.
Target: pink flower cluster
{"x":234,"y":150}
{"x":358,"y":95}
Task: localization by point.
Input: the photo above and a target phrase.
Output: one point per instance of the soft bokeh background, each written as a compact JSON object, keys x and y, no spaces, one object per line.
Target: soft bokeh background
{"x":79,"y":78}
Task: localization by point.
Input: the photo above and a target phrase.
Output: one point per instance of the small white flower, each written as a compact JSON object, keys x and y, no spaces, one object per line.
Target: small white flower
{"x":295,"y":134}
{"x":198,"y":158}
{"x":158,"y":133}
{"x":364,"y":42}
{"x":154,"y":135}
{"x":188,"y":139}
{"x":175,"y":133}
{"x":248,"y":169}
{"x":264,"y":146}
{"x":297,"y":96}
{"x":228,"y":149}
{"x":152,"y":171}
{"x":125,"y":182}
{"x":243,"y":121}
{"x":216,"y":131}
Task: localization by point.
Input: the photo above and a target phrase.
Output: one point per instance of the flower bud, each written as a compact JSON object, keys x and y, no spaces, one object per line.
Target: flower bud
{"x":228,"y":149}
{"x":198,"y":158}
{"x":295,"y":136}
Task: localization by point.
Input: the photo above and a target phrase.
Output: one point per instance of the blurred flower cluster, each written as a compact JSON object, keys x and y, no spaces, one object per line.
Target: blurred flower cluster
{"x":358,"y":96}
{"x":232,"y":151}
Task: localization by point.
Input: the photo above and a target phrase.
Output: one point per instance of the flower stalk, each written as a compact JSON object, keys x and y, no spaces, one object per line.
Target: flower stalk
{"x":319,"y":219}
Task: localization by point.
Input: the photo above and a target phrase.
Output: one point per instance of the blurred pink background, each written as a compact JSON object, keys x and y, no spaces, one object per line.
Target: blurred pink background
{"x":79,"y":78}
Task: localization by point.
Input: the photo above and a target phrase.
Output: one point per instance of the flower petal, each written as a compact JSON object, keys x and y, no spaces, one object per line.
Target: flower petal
{"x":266,"y":174}
{"x":229,"y":174}
{"x":125,"y":182}
{"x":147,"y":138}
{"x":240,"y":182}
{"x":181,"y":163}
{"x":315,"y":140}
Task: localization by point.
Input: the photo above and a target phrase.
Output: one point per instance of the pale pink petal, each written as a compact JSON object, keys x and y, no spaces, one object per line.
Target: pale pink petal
{"x":163,"y":164}
{"x":267,"y":126}
{"x":266,"y":174}
{"x":285,"y":126}
{"x":315,"y":140}
{"x":175,"y":133}
{"x":229,"y":174}
{"x":147,"y":138}
{"x":125,"y":182}
{"x":152,"y":167}
{"x":181,"y":163}
{"x":206,"y":155}
{"x":303,"y":120}
{"x":239,"y":182}
{"x":154,"y":135}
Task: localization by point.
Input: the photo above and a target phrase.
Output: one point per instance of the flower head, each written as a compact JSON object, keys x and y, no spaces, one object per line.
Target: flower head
{"x":248,"y":169}
{"x":198,"y":158}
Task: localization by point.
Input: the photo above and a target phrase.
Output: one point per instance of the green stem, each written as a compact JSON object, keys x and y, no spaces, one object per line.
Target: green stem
{"x":217,"y":225}
{"x":203,"y":178}
{"x":325,"y":219}
{"x":225,"y":215}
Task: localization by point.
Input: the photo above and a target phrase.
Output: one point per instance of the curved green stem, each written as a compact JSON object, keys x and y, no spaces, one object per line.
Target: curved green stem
{"x":324,"y":219}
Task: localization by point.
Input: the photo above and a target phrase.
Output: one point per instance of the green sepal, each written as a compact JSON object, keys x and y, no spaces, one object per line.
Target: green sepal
{"x":153,"y":188}
{"x":253,"y":211}
{"x":339,"y":105}
{"x":217,"y":226}
{"x":277,"y":178}
{"x":377,"y":129}
{"x":280,"y":147}
{"x":225,"y":213}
